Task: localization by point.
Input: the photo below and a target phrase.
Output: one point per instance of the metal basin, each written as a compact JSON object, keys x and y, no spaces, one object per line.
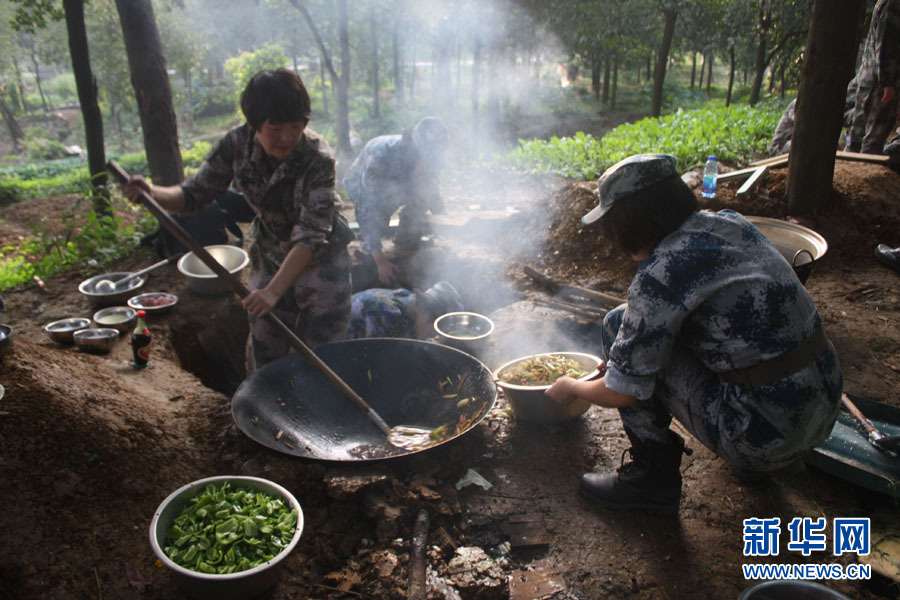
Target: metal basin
{"x":6,"y":338}
{"x":62,"y":331}
{"x":232,"y":586}
{"x":800,"y":246}
{"x":290,"y":407}
{"x":466,"y":331}
{"x":88,"y":287}
{"x":98,"y":341}
{"x":530,"y":403}
{"x":202,"y":279}
{"x":120,"y":318}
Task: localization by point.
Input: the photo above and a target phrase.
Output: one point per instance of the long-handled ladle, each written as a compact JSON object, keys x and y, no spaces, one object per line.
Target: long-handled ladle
{"x":401,"y":435}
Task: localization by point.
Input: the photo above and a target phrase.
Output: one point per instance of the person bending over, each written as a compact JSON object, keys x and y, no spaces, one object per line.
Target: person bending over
{"x":717,"y":332}
{"x":300,"y":267}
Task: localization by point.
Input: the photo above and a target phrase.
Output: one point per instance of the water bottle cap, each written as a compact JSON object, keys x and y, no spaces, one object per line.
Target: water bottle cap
{"x":710,"y":157}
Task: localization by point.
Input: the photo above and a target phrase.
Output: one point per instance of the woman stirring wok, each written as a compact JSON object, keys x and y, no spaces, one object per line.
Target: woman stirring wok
{"x":299,"y":261}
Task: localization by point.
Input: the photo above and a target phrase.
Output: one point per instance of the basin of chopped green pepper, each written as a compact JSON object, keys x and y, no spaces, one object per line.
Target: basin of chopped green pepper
{"x":224,"y":530}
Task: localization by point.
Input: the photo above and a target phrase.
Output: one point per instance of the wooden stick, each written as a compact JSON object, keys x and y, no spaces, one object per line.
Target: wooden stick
{"x":751,"y":182}
{"x":225,"y":275}
{"x":770,"y":160}
{"x":858,"y":156}
{"x":417,"y":564}
{"x":572,"y":290}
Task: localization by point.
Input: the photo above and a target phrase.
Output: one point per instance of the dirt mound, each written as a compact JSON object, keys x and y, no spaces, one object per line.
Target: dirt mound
{"x":91,"y":446}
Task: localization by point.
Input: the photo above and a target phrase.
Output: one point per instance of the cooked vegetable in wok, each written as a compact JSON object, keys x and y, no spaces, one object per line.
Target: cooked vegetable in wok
{"x":542,"y":370}
{"x":226,"y":530}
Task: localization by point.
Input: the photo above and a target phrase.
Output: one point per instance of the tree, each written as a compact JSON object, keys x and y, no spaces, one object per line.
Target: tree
{"x":152,"y":90}
{"x":342,"y":81}
{"x":779,"y":24}
{"x":87,"y":98}
{"x":31,"y":16}
{"x":670,"y":15}
{"x":827,"y":68}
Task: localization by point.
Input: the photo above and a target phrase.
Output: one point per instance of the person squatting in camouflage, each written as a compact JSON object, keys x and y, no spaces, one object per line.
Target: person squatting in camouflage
{"x":717,"y":332}
{"x":878,"y":76}
{"x":394,"y":171}
{"x":403,"y":313}
{"x":300,"y":267}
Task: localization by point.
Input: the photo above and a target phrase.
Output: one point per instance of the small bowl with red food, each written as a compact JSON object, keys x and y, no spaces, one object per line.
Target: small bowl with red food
{"x":153,"y":301}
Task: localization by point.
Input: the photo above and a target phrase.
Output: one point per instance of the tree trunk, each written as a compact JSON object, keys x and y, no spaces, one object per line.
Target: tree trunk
{"x":442,"y":84}
{"x":343,"y":109}
{"x":87,"y":98}
{"x":152,"y":90}
{"x":826,"y":70}
{"x":615,"y":83}
{"x":730,"y":75}
{"x":476,"y":75}
{"x":693,"y":69}
{"x":659,"y":74}
{"x":15,"y":131}
{"x":324,"y":90}
{"x":37,"y":82}
{"x":702,"y":73}
{"x":398,"y":65}
{"x":607,"y":67}
{"x":765,"y":20}
{"x":20,"y":87}
{"x":376,"y":91}
{"x":709,"y":68}
{"x":595,"y":77}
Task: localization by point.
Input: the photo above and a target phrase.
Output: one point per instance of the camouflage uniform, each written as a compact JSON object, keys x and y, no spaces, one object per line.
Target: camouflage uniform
{"x":386,"y":175}
{"x":380,"y":312}
{"x":294,"y":203}
{"x":784,"y":131}
{"x":712,"y":297}
{"x":880,"y":68}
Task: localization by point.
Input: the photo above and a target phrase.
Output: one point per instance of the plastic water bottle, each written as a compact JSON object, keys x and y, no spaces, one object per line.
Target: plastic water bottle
{"x":710,"y":173}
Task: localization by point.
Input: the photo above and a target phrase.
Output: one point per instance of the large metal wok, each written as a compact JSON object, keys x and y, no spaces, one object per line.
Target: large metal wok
{"x":288,"y":406}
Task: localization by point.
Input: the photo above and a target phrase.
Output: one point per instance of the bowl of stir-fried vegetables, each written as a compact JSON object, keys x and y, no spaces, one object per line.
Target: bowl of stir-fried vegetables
{"x":223,"y":537}
{"x":524,"y":380}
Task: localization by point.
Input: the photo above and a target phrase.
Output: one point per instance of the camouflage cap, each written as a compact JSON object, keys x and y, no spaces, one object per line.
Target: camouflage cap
{"x":629,"y":176}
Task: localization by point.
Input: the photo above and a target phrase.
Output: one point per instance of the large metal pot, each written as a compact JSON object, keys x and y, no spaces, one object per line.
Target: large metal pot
{"x":799,"y":245}
{"x":288,"y":406}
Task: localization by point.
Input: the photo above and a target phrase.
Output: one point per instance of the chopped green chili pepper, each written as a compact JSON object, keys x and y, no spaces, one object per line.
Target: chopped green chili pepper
{"x":226,"y":531}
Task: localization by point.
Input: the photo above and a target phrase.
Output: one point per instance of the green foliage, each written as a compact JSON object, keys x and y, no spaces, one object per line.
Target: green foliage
{"x":247,"y":64}
{"x":736,"y":135}
{"x":40,"y":146}
{"x":85,"y":238}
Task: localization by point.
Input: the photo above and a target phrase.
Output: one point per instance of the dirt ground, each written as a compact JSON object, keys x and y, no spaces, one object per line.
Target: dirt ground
{"x":90,"y":446}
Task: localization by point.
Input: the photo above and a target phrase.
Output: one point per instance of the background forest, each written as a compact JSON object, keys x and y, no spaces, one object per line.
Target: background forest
{"x":508,"y":77}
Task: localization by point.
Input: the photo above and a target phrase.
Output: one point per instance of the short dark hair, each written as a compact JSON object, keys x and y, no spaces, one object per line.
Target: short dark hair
{"x":278,"y":96}
{"x":641,"y":220}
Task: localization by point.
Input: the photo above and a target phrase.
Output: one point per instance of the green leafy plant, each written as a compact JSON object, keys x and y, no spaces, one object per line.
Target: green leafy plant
{"x":736,"y":135}
{"x":85,"y":239}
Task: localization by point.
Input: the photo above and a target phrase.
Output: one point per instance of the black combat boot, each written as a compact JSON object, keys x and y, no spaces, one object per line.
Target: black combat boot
{"x":651,"y":482}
